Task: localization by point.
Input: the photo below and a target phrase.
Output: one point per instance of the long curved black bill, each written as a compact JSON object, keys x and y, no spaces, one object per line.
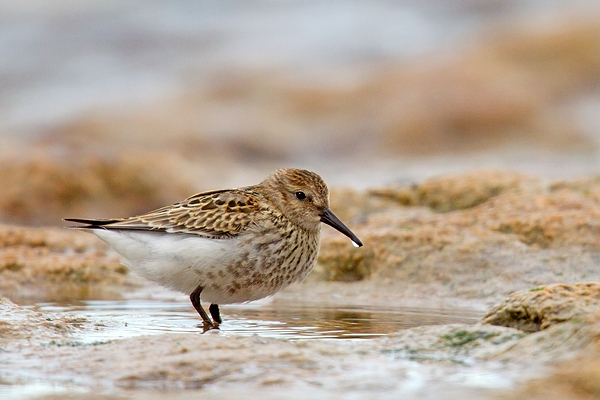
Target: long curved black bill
{"x":329,"y":218}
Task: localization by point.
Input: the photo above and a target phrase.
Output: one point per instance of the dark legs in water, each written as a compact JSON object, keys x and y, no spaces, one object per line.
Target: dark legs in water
{"x":214,"y":310}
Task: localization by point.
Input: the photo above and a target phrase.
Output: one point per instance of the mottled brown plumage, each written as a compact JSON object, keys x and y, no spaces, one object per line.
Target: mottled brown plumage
{"x":231,"y":245}
{"x":215,"y":214}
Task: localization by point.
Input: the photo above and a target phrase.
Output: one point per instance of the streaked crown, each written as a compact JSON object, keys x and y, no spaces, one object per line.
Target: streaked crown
{"x":300,"y":195}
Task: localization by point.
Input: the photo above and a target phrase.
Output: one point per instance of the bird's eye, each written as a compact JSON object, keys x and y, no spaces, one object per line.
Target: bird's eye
{"x":300,"y":195}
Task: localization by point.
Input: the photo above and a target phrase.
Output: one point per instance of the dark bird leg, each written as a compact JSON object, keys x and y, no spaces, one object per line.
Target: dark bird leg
{"x":214,"y":311}
{"x":195,"y":298}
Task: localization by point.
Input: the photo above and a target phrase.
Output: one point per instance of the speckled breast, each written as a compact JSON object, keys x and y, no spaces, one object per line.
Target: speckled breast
{"x":268,"y":261}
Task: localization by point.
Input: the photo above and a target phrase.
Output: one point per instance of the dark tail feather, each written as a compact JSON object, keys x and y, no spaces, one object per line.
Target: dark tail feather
{"x":89,"y":223}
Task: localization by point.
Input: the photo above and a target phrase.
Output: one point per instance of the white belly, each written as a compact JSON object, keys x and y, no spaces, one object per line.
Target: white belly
{"x":173,"y":260}
{"x":225,"y":268}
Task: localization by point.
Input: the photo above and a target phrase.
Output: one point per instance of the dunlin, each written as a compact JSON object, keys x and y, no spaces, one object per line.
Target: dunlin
{"x":228,"y":246}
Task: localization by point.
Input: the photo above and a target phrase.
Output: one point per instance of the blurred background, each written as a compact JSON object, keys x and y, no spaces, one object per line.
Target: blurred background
{"x":112,"y":108}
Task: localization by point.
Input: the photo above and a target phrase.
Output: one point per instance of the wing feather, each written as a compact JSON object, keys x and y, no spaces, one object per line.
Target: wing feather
{"x":216,"y":214}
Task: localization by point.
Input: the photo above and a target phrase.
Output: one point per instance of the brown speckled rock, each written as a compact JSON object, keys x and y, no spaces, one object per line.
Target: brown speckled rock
{"x":18,"y":323}
{"x":43,"y":189}
{"x":576,"y":376}
{"x":539,"y":308}
{"x":36,"y":260}
{"x":510,"y":234}
{"x":460,"y":191}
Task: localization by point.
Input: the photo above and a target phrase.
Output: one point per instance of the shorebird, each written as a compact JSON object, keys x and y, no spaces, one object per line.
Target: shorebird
{"x":231,"y":245}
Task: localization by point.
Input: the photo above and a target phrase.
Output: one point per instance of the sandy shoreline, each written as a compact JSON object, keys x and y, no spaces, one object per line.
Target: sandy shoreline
{"x":468,"y":239}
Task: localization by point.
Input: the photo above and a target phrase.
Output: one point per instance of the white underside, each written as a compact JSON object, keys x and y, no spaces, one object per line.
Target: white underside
{"x":171,"y":259}
{"x":181,"y":262}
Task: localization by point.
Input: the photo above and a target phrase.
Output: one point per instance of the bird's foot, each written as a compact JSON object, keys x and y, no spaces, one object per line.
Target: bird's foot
{"x":209,"y":326}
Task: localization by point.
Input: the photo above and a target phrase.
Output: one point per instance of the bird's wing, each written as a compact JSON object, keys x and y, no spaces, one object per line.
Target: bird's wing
{"x":216,"y":214}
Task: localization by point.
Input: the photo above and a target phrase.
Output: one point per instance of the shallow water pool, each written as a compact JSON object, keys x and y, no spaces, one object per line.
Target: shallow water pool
{"x":118,"y":319}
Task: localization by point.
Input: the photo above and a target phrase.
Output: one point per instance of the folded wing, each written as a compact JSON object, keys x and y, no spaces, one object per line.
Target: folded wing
{"x":215,"y":214}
